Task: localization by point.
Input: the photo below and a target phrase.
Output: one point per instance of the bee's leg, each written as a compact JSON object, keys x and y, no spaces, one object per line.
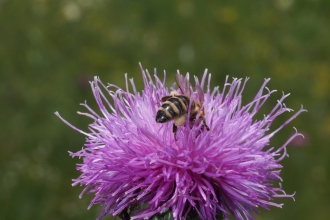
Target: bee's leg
{"x":175,"y":128}
{"x":205,"y":125}
{"x":179,"y":121}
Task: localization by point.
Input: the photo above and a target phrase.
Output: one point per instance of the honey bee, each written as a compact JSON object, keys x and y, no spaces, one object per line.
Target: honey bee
{"x":175,"y":106}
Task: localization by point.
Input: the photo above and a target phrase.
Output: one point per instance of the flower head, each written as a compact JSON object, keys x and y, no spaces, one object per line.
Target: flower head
{"x":136,"y":168}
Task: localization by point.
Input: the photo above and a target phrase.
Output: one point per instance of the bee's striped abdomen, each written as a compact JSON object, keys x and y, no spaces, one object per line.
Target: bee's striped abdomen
{"x":171,"y":108}
{"x":183,"y":102}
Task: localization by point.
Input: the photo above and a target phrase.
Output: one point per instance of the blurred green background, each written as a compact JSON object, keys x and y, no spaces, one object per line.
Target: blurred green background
{"x":49,"y":50}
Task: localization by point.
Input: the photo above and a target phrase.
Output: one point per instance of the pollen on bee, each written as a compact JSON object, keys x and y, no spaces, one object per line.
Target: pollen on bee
{"x":180,"y":120}
{"x":174,"y":93}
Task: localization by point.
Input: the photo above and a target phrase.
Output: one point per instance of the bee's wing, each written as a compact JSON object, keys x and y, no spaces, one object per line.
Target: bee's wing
{"x":183,"y":84}
{"x":200,"y":94}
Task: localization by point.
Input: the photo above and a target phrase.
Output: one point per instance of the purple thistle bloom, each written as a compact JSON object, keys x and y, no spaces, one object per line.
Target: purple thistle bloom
{"x":136,"y":168}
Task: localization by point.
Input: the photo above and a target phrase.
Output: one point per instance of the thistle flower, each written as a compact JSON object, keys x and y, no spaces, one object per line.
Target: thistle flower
{"x":136,"y":168}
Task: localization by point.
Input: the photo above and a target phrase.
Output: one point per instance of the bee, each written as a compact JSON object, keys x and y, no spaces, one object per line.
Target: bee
{"x":175,"y":106}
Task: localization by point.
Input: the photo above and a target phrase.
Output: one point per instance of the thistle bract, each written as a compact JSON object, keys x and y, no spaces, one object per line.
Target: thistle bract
{"x":136,"y":168}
